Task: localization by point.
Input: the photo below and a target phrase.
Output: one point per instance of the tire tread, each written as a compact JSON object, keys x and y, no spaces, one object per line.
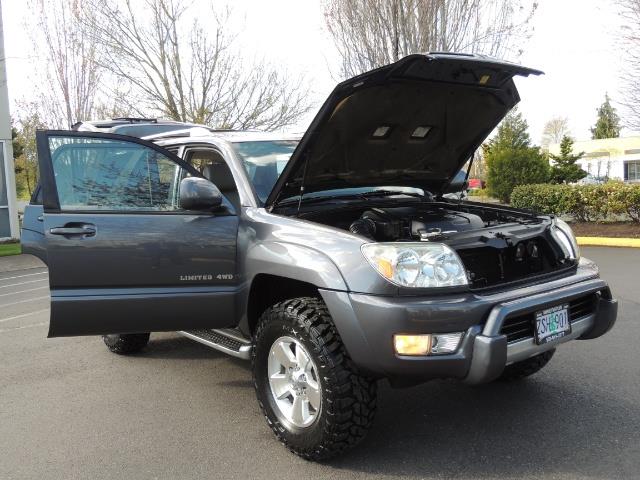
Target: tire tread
{"x":126,"y":344}
{"x":353,"y":406}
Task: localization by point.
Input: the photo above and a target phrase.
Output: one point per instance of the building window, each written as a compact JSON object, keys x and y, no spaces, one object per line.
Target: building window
{"x":632,"y":171}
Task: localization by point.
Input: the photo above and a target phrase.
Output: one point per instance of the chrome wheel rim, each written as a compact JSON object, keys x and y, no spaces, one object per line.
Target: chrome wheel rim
{"x":294,"y":382}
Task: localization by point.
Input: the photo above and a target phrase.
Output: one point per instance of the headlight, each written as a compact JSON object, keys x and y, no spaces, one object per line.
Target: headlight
{"x":563,"y":233}
{"x":420,"y":265}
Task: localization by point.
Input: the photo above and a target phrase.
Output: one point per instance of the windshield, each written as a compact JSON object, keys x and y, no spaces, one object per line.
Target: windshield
{"x":264,"y":161}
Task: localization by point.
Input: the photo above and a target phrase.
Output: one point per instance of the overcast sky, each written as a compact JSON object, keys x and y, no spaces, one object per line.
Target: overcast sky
{"x":573,"y":42}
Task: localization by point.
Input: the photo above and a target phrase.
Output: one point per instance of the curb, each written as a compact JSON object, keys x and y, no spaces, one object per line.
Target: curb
{"x":608,"y":242}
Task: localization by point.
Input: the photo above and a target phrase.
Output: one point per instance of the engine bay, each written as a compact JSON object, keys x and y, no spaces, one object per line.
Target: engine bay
{"x":496,"y":245}
{"x":407,"y":223}
{"x":417,"y":221}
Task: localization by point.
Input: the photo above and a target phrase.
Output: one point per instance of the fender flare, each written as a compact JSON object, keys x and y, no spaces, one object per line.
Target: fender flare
{"x":294,"y":261}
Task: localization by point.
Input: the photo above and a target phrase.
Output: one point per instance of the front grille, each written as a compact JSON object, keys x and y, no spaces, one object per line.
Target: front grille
{"x":521,"y":326}
{"x":489,"y":266}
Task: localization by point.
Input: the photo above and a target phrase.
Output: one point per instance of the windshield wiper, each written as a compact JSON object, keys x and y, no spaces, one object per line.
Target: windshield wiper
{"x":387,"y":193}
{"x":363,"y":195}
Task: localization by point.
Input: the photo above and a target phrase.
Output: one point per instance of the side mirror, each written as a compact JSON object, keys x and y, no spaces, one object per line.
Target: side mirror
{"x":458,"y":184}
{"x":199,"y":194}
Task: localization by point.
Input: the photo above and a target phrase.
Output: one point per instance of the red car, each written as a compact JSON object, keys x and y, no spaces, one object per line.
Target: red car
{"x":476,"y":183}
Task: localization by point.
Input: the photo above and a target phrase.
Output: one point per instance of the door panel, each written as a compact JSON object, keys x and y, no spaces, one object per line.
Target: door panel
{"x":122,"y":255}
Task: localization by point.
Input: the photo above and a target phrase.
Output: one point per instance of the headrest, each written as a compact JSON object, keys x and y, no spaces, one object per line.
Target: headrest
{"x":220,"y":174}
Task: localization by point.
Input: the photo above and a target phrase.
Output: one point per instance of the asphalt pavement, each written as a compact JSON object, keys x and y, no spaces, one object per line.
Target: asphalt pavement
{"x":69,"y":409}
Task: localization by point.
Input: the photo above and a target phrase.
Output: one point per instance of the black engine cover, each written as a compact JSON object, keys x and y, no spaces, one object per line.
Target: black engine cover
{"x":405,"y":223}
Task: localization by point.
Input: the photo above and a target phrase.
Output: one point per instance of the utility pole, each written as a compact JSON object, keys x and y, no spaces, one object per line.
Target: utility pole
{"x":9,"y":227}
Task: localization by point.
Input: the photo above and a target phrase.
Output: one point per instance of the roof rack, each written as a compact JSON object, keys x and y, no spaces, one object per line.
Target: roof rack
{"x":136,"y":119}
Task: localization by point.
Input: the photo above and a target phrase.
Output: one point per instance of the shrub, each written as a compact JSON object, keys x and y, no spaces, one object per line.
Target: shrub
{"x":542,"y":198}
{"x":585,"y":203}
{"x":508,"y":168}
{"x":477,"y":192}
{"x":624,"y":199}
{"x":511,"y":158}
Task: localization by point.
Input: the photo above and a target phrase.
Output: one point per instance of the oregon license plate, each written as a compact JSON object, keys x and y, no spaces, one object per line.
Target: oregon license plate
{"x":552,"y":324}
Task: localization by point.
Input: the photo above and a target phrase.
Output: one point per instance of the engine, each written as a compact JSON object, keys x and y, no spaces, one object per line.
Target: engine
{"x":408,"y":223}
{"x":495,"y":245}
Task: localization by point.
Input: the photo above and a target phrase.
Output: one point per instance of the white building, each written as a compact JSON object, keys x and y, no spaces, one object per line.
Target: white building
{"x":613,"y":158}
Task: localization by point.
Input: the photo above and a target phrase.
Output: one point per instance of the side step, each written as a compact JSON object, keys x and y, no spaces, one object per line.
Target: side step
{"x":229,"y":341}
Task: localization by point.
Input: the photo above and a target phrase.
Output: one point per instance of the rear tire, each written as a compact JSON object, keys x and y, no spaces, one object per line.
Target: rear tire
{"x":525,"y":368}
{"x":339,"y":402}
{"x":126,"y":343}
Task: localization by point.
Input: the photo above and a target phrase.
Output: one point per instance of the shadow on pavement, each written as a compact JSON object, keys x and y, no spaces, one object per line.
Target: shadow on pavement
{"x":500,"y":430}
{"x":543,"y":425}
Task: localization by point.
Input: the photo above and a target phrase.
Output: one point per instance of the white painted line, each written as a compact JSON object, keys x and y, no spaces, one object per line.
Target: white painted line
{"x":23,"y":291}
{"x":15,"y":317}
{"x":23,"y":283}
{"x":26,"y":275}
{"x":3,"y":330}
{"x":24,"y":301}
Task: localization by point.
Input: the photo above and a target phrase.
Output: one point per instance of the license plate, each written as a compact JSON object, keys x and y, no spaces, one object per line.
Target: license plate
{"x":552,"y":324}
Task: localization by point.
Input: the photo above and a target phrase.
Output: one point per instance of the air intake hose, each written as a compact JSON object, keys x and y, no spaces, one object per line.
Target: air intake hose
{"x":364,"y":227}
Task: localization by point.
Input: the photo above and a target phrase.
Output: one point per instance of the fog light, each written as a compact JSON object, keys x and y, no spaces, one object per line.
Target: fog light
{"x":445,"y":343}
{"x":412,"y":344}
{"x":435,"y":344}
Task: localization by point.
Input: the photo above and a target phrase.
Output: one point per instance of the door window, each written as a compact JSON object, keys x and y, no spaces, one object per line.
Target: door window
{"x":113,"y":175}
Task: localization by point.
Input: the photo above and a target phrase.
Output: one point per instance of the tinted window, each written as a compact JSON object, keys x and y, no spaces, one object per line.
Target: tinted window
{"x":100,"y":174}
{"x":264,"y":161}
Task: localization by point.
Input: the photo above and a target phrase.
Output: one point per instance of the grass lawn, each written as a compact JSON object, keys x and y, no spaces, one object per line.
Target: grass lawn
{"x":10,"y":249}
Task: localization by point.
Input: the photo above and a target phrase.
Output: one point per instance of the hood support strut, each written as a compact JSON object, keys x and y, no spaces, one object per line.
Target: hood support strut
{"x":304,"y":177}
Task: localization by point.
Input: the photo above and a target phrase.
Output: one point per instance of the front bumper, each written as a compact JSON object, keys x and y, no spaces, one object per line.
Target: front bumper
{"x":367,"y":324}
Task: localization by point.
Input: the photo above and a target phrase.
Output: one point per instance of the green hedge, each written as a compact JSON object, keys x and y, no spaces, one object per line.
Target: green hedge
{"x":586,"y":203}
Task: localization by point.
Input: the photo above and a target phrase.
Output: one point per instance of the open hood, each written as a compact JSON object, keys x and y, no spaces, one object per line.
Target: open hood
{"x":412,"y":123}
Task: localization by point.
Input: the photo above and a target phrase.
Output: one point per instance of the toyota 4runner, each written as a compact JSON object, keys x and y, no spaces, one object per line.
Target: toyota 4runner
{"x":330,"y":260}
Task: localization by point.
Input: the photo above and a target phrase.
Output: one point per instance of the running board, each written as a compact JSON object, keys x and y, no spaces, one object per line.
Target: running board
{"x":228,"y":341}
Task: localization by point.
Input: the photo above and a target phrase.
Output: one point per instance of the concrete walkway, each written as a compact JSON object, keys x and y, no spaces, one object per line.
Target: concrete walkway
{"x":19,"y":262}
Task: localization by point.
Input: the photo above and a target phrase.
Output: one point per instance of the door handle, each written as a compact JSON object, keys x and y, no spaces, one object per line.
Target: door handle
{"x":85,"y":230}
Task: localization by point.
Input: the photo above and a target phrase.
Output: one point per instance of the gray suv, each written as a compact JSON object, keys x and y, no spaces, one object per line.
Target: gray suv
{"x":330,"y":260}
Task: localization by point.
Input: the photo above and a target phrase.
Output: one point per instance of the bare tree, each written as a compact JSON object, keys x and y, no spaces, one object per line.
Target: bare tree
{"x":371,"y":33}
{"x":630,"y":32}
{"x":554,"y":130}
{"x":68,"y":65}
{"x":190,"y":72}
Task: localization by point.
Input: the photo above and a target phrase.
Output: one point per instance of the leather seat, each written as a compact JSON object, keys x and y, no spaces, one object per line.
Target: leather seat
{"x":220,"y":175}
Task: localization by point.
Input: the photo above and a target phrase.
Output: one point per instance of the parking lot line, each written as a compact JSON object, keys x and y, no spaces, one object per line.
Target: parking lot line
{"x":40,"y":324}
{"x":24,"y":301}
{"x":23,"y":291}
{"x":25,"y":275}
{"x":23,"y":283}
{"x":16,"y":317}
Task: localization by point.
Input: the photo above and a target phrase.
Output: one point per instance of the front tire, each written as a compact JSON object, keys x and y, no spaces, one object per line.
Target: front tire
{"x":126,"y":343}
{"x":519,"y":370}
{"x":309,"y":390}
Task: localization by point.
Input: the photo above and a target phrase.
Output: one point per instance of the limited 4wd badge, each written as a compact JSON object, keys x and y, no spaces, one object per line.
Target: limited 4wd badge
{"x":207,"y":277}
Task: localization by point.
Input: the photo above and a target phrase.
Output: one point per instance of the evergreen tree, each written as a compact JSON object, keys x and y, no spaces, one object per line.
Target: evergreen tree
{"x":608,"y":122}
{"x":24,"y":151}
{"x":18,"y":147}
{"x":564,"y":168}
{"x":512,"y":160}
